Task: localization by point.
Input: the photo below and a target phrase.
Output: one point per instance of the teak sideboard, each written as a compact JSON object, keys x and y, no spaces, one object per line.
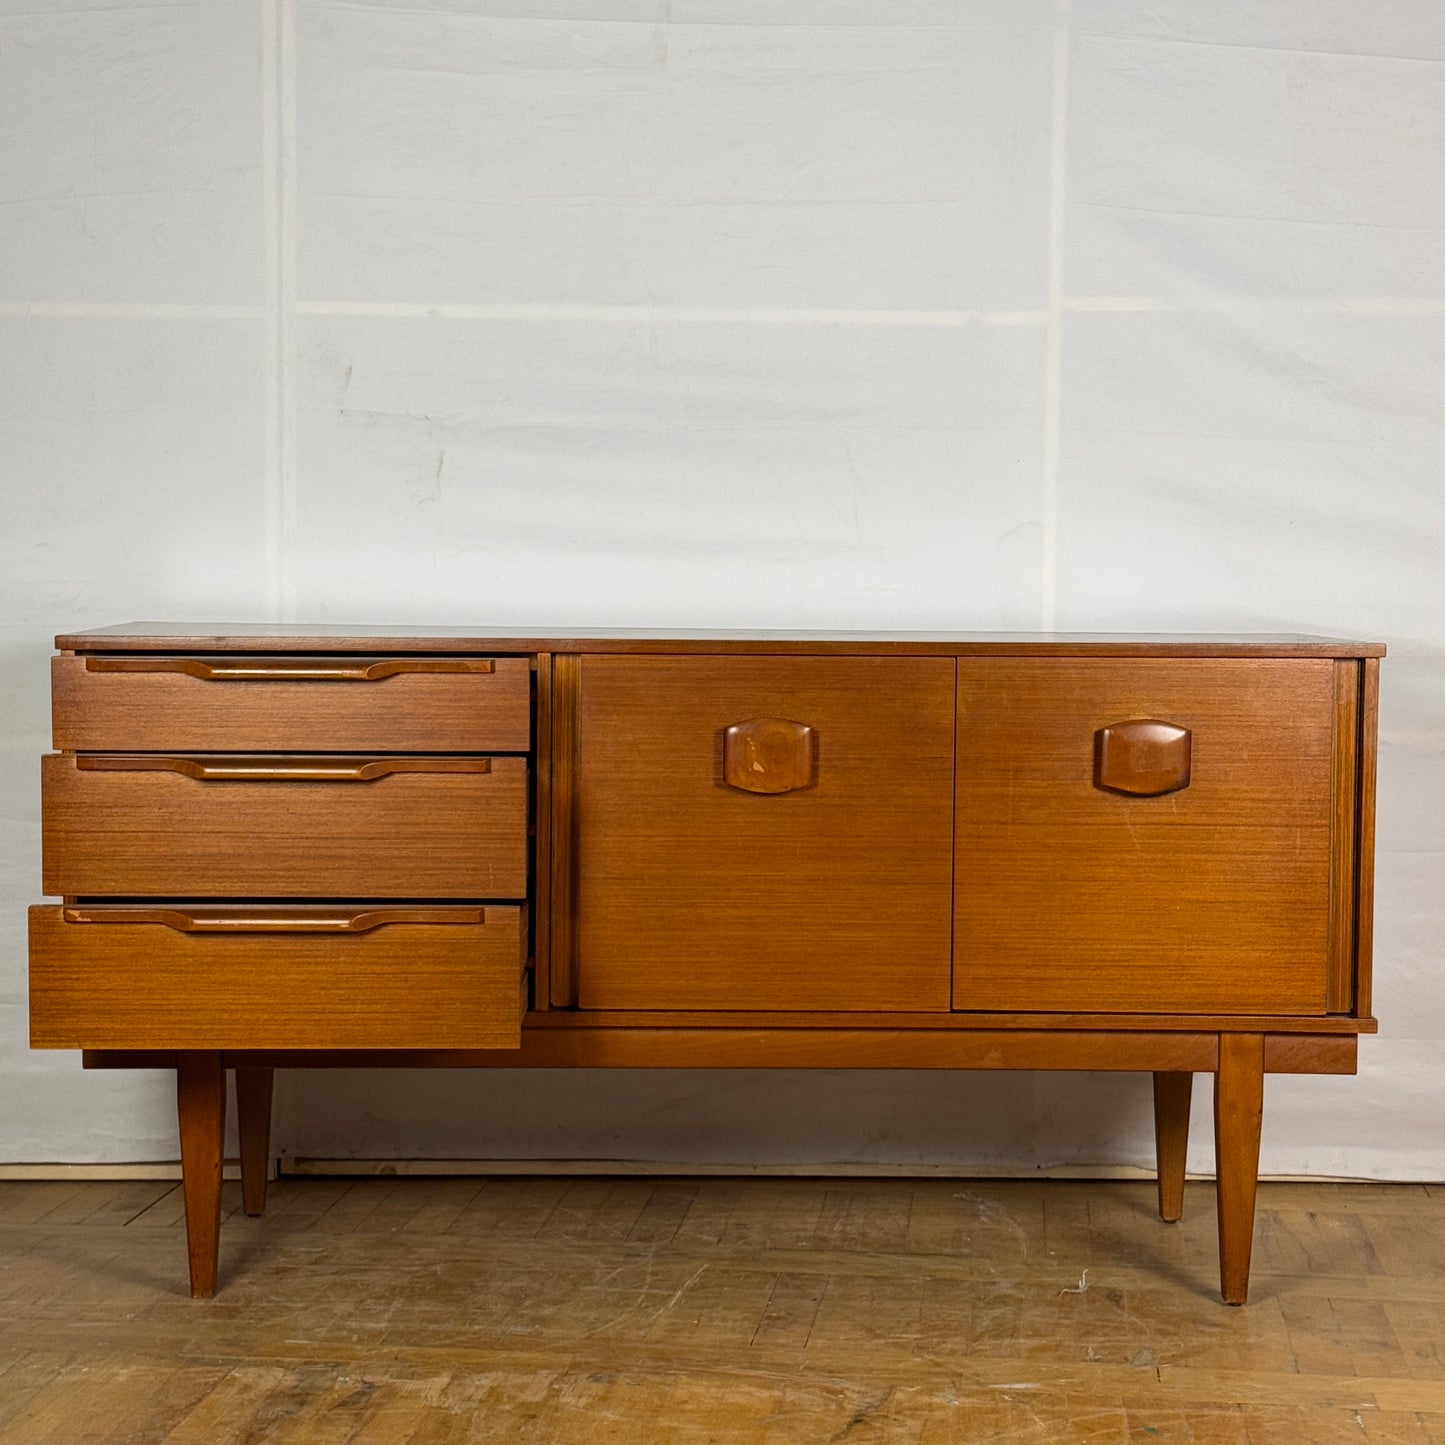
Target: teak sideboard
{"x":310,"y":846}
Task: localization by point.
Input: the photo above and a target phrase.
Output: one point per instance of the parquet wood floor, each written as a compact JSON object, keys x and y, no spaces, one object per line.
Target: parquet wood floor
{"x":729,"y":1311}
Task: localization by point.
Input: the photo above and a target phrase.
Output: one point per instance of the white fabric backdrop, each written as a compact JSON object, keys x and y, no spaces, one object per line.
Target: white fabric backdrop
{"x":930,"y":313}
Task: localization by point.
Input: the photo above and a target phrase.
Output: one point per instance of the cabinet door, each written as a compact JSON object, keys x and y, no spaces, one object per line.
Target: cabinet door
{"x":1182,"y":868}
{"x":818,"y":878}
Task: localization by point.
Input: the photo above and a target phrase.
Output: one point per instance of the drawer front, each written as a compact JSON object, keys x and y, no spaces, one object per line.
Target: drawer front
{"x":266,"y":704}
{"x":183,"y":976}
{"x":308,"y":827}
{"x":1174,"y":868}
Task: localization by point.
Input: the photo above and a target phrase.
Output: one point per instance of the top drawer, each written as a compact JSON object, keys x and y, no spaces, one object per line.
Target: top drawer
{"x":289,"y":704}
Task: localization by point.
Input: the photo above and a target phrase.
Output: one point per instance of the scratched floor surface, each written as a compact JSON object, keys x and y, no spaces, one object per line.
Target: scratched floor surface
{"x":403,"y":1311}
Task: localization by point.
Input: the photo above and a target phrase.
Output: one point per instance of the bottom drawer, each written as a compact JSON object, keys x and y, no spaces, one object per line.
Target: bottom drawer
{"x":314,"y":976}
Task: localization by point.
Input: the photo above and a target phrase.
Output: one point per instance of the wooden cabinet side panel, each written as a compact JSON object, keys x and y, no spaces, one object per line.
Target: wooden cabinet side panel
{"x":695,"y":894}
{"x":1213,"y":898}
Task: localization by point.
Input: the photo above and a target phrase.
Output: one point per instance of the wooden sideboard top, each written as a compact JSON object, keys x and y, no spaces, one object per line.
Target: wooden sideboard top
{"x":311,"y":637}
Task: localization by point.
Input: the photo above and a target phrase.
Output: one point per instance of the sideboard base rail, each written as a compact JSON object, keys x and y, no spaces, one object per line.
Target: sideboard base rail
{"x":807,"y":1048}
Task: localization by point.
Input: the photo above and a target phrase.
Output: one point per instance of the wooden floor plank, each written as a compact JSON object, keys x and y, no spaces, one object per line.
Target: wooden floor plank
{"x":512,"y":1208}
{"x":418,"y":1199}
{"x":305,"y":1205}
{"x":145,"y":1410}
{"x":667,"y":1206}
{"x":122,"y":1401}
{"x":23,"y":1379}
{"x":443,"y":1205}
{"x":123,"y":1202}
{"x":1420,"y":1328}
{"x":248,"y":1399}
{"x":352,"y":1211}
{"x":596,"y":1208}
{"x":399,"y":1408}
{"x":790,"y":1312}
{"x":26,"y":1202}
{"x":774,"y":1214}
{"x":166,"y":1211}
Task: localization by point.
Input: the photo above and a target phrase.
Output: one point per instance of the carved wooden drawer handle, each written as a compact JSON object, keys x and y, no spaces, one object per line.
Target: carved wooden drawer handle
{"x":768,"y":755}
{"x":303,"y":768}
{"x":1145,"y":757}
{"x":289,"y":669}
{"x":251,"y":919}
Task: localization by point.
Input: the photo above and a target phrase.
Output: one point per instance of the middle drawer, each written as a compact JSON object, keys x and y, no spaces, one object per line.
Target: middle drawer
{"x":221,"y":826}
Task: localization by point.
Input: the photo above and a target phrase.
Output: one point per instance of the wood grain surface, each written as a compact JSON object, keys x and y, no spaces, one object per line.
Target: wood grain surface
{"x":894,"y":1019}
{"x":143,"y":985}
{"x":1214,"y":898}
{"x":692,"y":894}
{"x":448,"y":712}
{"x":1144,"y":757}
{"x":652,"y":1046}
{"x":541,"y":828}
{"x":658,"y":1046}
{"x":768,"y":755}
{"x":1172,"y":1095}
{"x":409,"y":638}
{"x":406,"y":835}
{"x":201,"y":1115}
{"x":741,"y":1311}
{"x":1344,"y":837}
{"x":254,"y":1090}
{"x":562,"y":763}
{"x":1365,"y":815}
{"x":1238,"y":1111}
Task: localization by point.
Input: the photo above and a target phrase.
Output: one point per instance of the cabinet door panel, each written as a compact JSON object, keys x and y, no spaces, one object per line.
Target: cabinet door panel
{"x":1139,"y":870}
{"x":819,"y":878}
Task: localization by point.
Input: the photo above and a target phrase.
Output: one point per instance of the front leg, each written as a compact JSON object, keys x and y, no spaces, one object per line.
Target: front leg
{"x":201,"y":1108}
{"x":1238,"y":1110}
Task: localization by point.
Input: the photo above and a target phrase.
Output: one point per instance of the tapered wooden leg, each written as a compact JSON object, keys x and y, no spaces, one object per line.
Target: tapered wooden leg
{"x":201,"y":1106}
{"x":1171,"y":1139}
{"x":253,"y":1122}
{"x":1238,"y":1108}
